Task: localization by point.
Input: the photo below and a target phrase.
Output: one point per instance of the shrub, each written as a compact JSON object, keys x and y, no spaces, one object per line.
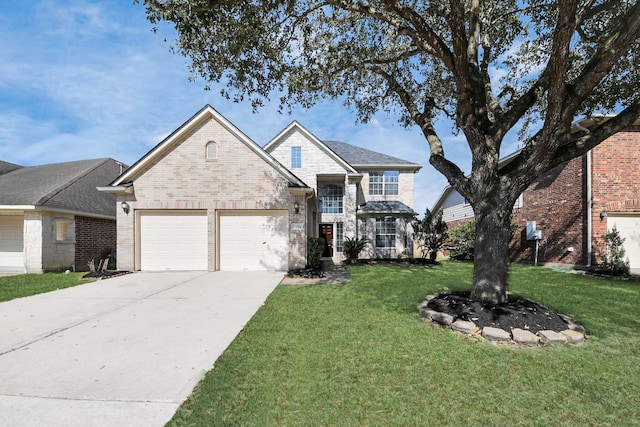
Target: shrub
{"x":462,"y":240}
{"x":351,"y":247}
{"x":615,"y":263}
{"x":430,"y":233}
{"x":315,"y":248}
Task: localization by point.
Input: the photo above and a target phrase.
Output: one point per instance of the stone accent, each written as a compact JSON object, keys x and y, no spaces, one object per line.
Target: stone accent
{"x":573,"y":337}
{"x":495,"y":334}
{"x":552,"y":337}
{"x":574,"y":334}
{"x":464,"y":326}
{"x":524,"y":337}
{"x":442,"y":318}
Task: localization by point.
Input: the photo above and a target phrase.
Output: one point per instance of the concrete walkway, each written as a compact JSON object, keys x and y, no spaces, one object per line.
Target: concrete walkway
{"x":125,"y":351}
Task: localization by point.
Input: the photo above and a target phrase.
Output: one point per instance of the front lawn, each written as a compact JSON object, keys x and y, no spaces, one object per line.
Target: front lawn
{"x":358,"y":354}
{"x":24,"y":285}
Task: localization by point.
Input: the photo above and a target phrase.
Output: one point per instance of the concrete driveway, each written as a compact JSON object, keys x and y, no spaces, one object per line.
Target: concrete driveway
{"x":126,"y":351}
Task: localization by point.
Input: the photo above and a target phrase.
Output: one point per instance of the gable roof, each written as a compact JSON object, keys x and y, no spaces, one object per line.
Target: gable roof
{"x":68,"y":186}
{"x":206,"y":113}
{"x":361,"y":157}
{"x":349,"y":156}
{"x":314,"y":140}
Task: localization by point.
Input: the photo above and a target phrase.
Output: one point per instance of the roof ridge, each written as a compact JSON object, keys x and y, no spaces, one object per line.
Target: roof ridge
{"x":73,"y":180}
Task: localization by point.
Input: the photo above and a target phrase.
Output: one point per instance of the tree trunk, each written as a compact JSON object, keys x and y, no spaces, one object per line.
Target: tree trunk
{"x":491,"y":254}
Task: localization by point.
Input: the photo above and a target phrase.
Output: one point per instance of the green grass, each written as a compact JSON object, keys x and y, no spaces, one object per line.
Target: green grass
{"x":358,"y":354}
{"x":24,"y":285}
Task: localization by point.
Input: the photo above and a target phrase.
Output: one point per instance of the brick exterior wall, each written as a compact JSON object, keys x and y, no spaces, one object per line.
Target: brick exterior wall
{"x":558,"y":202}
{"x":95,"y":240}
{"x":616,"y":182}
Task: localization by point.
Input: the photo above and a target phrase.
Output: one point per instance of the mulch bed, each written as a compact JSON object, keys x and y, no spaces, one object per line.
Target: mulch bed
{"x":403,"y":261}
{"x":104,"y":274}
{"x":515,"y":313}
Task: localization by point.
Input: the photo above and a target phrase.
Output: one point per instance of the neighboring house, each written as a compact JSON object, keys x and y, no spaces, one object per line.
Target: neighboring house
{"x":574,"y":204}
{"x":53,"y":218}
{"x":360,"y":193}
{"x":209,"y":198}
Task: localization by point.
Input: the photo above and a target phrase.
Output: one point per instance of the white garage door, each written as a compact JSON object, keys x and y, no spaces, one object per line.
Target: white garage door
{"x":173,"y":240}
{"x":629,"y":228}
{"x":254,"y":242}
{"x":11,"y":242}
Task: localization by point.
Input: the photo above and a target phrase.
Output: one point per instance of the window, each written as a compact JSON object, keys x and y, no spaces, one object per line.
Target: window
{"x":385,"y":232}
{"x":339,"y":236}
{"x":211,"y":150}
{"x":296,"y":157}
{"x":383,"y":183}
{"x":330,"y":198}
{"x":63,"y":231}
{"x":363,"y":227}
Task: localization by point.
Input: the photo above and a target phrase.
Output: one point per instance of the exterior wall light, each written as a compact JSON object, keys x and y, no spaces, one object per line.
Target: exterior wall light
{"x":296,"y":207}
{"x":125,"y":207}
{"x":603,"y":215}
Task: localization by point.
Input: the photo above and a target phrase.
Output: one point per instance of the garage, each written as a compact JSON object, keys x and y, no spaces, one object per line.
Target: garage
{"x":11,"y":243}
{"x":254,"y":240}
{"x":629,"y":228}
{"x":173,"y":240}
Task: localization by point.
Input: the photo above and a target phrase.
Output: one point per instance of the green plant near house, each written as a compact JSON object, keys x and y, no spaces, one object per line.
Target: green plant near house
{"x":615,"y":264}
{"x":351,"y":247}
{"x":315,"y":247}
{"x":462,"y":240}
{"x":430,"y":233}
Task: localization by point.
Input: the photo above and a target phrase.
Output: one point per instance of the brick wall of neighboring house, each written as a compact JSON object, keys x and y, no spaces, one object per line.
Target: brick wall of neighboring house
{"x":616,"y":182}
{"x":95,"y":240}
{"x":556,"y":202}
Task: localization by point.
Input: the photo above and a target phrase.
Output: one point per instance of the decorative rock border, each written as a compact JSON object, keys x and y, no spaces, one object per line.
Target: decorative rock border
{"x":574,"y":334}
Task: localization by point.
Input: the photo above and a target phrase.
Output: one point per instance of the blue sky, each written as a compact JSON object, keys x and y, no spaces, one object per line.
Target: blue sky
{"x":89,"y":79}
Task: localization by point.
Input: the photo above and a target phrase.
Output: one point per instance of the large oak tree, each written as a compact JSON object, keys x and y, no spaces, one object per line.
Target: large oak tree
{"x":491,"y":66}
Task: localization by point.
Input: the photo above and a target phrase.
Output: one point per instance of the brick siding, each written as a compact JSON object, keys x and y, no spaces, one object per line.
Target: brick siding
{"x":95,"y":240}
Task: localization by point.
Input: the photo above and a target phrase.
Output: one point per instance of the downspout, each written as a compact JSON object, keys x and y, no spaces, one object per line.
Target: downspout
{"x":589,"y":200}
{"x":589,"y":212}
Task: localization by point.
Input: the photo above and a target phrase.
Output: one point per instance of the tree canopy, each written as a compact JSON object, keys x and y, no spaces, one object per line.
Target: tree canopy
{"x":490,"y":66}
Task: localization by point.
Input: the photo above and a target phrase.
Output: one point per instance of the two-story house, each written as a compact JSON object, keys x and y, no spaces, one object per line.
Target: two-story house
{"x":358,"y":192}
{"x":209,"y":198}
{"x":575,"y":204}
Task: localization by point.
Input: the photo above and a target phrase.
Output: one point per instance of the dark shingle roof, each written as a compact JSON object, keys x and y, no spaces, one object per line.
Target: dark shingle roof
{"x":355,"y":155}
{"x":68,"y":186}
{"x":381,"y":206}
{"x":6,"y":167}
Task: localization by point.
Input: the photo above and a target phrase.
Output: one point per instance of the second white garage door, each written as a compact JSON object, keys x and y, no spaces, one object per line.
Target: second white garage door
{"x":173,"y":240}
{"x":629,"y":228}
{"x":254,"y":241}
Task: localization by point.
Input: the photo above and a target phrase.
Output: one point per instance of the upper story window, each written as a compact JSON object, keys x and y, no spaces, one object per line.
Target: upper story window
{"x":211,"y":150}
{"x":330,"y":198}
{"x":383,"y":183}
{"x":296,"y":157}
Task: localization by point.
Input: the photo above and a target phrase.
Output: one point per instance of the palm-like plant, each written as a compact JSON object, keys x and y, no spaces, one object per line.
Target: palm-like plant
{"x":351,"y":247}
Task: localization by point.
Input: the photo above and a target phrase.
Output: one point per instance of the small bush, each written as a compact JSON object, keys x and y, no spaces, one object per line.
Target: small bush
{"x":615,"y":263}
{"x":352,"y":247}
{"x":315,"y":248}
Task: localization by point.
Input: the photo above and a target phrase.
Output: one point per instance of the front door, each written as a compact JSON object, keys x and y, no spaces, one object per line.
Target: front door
{"x":326,"y":232}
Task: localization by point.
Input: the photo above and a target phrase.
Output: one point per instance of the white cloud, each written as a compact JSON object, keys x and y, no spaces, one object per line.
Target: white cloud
{"x":89,"y":79}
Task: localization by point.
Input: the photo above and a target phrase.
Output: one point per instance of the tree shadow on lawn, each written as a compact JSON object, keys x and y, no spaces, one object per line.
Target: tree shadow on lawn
{"x":401,"y":288}
{"x":603,"y":306}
